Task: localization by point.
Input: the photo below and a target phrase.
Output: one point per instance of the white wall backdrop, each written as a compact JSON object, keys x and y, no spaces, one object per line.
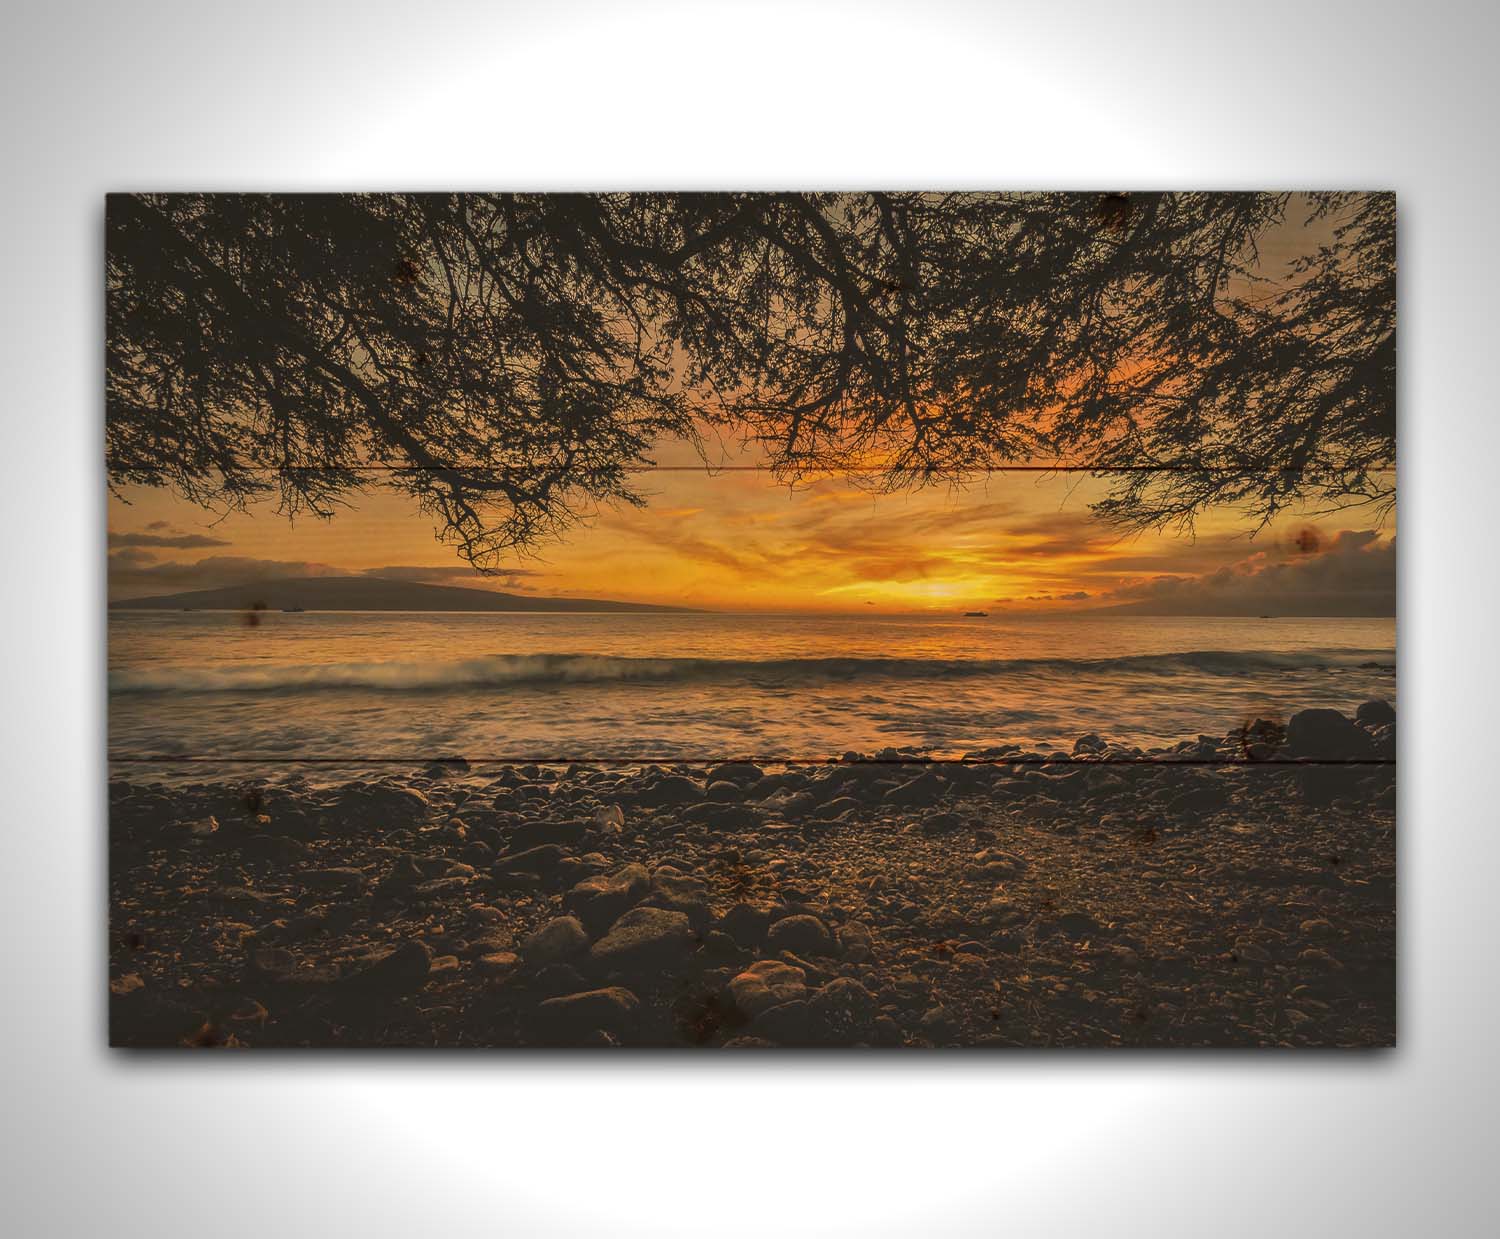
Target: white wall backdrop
{"x":581,"y":95}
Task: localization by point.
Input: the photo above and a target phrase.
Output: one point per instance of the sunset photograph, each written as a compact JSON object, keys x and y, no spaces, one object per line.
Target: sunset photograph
{"x":748,"y":620}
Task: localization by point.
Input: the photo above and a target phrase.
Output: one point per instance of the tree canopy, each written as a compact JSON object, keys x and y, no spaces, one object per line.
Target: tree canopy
{"x":510,"y":360}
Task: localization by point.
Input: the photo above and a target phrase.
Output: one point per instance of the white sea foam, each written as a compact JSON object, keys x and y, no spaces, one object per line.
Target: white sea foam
{"x":505,"y":670}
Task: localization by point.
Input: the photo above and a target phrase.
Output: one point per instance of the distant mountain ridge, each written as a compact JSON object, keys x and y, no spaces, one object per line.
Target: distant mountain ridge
{"x":344,"y":593}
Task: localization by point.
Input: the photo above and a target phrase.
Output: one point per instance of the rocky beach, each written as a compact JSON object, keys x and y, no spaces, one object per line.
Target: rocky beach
{"x":1233,"y":890}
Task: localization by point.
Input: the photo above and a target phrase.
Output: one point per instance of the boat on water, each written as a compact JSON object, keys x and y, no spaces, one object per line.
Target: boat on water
{"x":291,"y":610}
{"x":976,"y":615}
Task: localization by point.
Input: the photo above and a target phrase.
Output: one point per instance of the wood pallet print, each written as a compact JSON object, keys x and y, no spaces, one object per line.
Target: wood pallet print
{"x":752,"y":620}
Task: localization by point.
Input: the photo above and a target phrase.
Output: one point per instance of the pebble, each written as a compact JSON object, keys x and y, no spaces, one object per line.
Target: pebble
{"x":767,"y":983}
{"x":644,"y":939}
{"x":939,"y":1024}
{"x":927,"y":788}
{"x":683,"y":893}
{"x":743,"y":773}
{"x":405,"y":966}
{"x":840,"y":1013}
{"x":559,"y":939}
{"x":672,"y":789}
{"x":498,"y":964}
{"x":788,"y":1023}
{"x":1077,"y":924}
{"x":747,"y":923}
{"x":802,"y":935}
{"x":601,"y":900}
{"x":574,"y":1018}
{"x":855,"y":942}
{"x":993,"y":864}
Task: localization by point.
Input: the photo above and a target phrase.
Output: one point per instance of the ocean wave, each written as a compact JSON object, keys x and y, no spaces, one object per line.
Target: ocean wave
{"x":522,"y":670}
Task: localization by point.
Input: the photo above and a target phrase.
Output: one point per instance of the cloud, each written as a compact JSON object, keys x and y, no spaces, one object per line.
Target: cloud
{"x":180,"y":541}
{"x":159,"y":525}
{"x":135,"y":572}
{"x":509,"y":578}
{"x":1354,"y":573}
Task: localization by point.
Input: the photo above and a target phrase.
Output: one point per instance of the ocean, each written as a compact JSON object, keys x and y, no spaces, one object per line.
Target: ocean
{"x":399,"y":685}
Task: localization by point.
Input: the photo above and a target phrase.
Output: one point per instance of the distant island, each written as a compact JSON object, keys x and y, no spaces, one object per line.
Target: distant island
{"x":346,"y":593}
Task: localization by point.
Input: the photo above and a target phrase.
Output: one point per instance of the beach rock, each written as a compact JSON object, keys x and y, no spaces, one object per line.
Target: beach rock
{"x":680,"y":892}
{"x":382,"y":804}
{"x":742,"y":773}
{"x":995,"y":865}
{"x":941,"y":823}
{"x":747,"y":923}
{"x":672,"y":789}
{"x":841,"y":1012}
{"x":939,"y":1024}
{"x":1375,"y":714}
{"x":339,"y":878}
{"x":787,"y":1023}
{"x":719,"y":948}
{"x":561,"y":938}
{"x":1065,"y":787}
{"x":528,"y":835}
{"x":402,"y":968}
{"x":836,"y":807}
{"x":1325,"y":734}
{"x":1090,"y":743}
{"x":828,"y":786}
{"x":1078,"y":924}
{"x":794,"y":805}
{"x":203,"y":827}
{"x":440,"y":889}
{"x":445,"y":767}
{"x":401,"y":878}
{"x":722,"y":791}
{"x":802,"y":935}
{"x":1000,"y":911}
{"x":478,"y":853}
{"x":1322,"y":785}
{"x":855,"y":942}
{"x":293,"y":823}
{"x":644,"y":939}
{"x":497,"y":965}
{"x":601,"y":900}
{"x":765,"y":984}
{"x":721,"y":816}
{"x":555,"y":979}
{"x":543,"y":860}
{"x":926,"y":789}
{"x":482,"y":939}
{"x":575,"y":1018}
{"x":609,"y":818}
{"x":1206,"y":795}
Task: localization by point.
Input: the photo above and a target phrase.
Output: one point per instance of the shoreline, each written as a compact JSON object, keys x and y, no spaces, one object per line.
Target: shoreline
{"x":1246,"y":900}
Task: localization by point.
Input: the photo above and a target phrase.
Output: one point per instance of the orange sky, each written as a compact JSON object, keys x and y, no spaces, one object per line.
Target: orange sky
{"x":1015,"y":542}
{"x":734,"y":540}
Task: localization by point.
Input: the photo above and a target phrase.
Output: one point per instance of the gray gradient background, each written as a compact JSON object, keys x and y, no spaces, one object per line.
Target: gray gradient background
{"x":590,"y":95}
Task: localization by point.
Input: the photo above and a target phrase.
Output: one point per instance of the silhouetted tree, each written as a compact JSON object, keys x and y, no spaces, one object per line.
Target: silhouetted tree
{"x":463,"y":345}
{"x":510,"y":359}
